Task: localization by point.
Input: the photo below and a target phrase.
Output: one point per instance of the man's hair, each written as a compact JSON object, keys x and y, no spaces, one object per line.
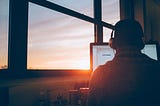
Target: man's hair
{"x":127,"y":33}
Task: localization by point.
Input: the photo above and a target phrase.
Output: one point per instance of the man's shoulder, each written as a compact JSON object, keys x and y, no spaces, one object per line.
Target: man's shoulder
{"x":150,"y":60}
{"x":103,"y":68}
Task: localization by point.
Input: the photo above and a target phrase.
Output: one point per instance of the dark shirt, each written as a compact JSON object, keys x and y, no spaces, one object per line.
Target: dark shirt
{"x":130,"y":79}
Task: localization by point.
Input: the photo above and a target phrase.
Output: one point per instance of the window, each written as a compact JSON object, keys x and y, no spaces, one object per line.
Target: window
{"x":83,"y":6}
{"x":111,"y":15}
{"x":57,"y":41}
{"x":106,"y":34}
{"x":110,"y":11}
{"x":4,"y":21}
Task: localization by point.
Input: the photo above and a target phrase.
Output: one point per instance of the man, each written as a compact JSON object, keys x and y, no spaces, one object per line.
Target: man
{"x":131,"y":78}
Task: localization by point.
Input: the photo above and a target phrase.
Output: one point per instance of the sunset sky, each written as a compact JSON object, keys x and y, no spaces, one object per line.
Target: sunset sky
{"x":56,"y":40}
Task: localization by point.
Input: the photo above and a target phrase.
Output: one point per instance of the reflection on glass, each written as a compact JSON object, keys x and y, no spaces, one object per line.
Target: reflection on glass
{"x":57,"y":41}
{"x":110,"y":11}
{"x":81,"y":6}
{"x":4,"y":19}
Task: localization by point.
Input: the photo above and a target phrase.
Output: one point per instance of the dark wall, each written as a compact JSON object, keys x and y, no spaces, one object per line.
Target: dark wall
{"x":153,"y":19}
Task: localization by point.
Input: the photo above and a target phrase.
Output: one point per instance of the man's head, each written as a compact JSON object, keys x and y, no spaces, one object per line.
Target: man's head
{"x":127,"y":33}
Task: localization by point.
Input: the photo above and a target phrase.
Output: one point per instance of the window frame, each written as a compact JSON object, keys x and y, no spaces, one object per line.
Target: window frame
{"x":96,"y":20}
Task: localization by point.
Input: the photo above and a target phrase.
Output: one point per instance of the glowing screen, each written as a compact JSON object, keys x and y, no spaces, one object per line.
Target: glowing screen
{"x":151,"y":51}
{"x":100,"y":54}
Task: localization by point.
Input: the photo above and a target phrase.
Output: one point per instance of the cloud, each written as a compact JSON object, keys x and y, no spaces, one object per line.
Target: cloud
{"x":60,"y":30}
{"x":112,"y":14}
{"x":83,"y":7}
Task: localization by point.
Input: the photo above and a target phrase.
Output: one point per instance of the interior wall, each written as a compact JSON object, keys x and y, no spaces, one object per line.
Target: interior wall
{"x":139,"y":12}
{"x":153,"y":19}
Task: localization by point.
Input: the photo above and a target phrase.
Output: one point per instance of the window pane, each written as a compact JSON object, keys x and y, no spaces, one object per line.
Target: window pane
{"x":4,"y":19}
{"x":110,"y":11}
{"x":81,"y":6}
{"x":106,"y":34}
{"x":57,"y":41}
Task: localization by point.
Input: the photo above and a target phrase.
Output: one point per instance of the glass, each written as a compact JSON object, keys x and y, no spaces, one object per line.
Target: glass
{"x":81,"y":6}
{"x":110,"y":11}
{"x":4,"y":22}
{"x":106,"y":34}
{"x":57,"y":41}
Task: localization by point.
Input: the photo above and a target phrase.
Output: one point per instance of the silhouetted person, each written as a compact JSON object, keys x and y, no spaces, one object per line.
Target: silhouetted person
{"x":131,"y":78}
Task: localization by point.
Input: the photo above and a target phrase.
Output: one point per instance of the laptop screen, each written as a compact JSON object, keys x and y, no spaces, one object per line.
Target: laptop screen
{"x":101,"y":53}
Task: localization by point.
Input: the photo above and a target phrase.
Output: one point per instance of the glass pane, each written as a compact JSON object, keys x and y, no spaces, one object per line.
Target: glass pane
{"x":106,"y":34}
{"x":81,"y":6}
{"x":110,"y":11}
{"x":4,"y":21}
{"x":57,"y":41}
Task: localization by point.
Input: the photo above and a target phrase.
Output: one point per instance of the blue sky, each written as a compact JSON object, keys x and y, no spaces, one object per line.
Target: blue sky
{"x":56,"y":40}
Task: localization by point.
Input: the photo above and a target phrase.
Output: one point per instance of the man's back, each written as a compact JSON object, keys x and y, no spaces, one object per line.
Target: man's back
{"x":131,"y":79}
